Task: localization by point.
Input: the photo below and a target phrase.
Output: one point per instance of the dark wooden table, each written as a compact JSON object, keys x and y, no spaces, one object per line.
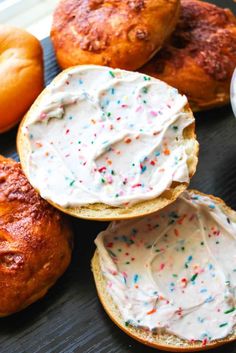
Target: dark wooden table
{"x":70,"y":317}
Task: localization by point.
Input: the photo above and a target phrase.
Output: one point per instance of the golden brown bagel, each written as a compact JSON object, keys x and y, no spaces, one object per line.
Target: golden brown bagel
{"x":21,"y":73}
{"x":200,"y":57}
{"x":35,"y":241}
{"x":123,"y":34}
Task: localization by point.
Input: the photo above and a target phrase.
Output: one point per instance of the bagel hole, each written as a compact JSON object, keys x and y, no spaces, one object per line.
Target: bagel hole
{"x":179,"y":42}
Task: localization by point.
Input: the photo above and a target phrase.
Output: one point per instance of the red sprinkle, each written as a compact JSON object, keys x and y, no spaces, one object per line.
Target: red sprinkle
{"x":162,"y":266}
{"x":102,"y":169}
{"x":136,"y":185}
{"x":176,"y":232}
{"x":109,"y":245}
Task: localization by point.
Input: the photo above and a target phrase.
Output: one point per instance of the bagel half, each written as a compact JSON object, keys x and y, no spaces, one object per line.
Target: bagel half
{"x":100,"y":211}
{"x":161,"y":340}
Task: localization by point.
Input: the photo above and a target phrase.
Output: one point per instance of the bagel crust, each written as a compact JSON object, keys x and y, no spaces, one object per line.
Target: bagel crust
{"x":200,"y":57}
{"x":21,"y":72}
{"x":122,"y":34}
{"x":35,"y":241}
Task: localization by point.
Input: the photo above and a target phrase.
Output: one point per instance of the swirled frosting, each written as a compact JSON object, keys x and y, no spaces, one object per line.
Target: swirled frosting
{"x":174,"y":270}
{"x":109,"y":136}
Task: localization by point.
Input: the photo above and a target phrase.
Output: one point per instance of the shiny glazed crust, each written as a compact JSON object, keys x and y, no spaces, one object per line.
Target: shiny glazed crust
{"x":200,"y":57}
{"x":162,"y":340}
{"x":21,"y":73}
{"x":35,"y":241}
{"x":121,"y":34}
{"x":102,"y":212}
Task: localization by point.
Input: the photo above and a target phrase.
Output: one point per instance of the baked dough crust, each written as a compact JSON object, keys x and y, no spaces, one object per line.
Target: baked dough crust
{"x":200,"y":57}
{"x":21,"y":73}
{"x":35,"y":241}
{"x":121,"y":34}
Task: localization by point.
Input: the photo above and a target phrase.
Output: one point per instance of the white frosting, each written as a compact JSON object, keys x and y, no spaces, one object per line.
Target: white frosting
{"x":174,"y":270}
{"x":233,"y":92}
{"x":109,"y":136}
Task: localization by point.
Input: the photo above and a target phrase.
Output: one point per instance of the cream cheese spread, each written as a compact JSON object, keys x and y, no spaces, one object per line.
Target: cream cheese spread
{"x":108,"y":136}
{"x":174,"y":270}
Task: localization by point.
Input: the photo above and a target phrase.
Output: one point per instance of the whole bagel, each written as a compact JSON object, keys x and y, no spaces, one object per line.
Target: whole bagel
{"x":200,"y":57}
{"x":35,"y":241}
{"x":120,"y":34}
{"x":21,"y":74}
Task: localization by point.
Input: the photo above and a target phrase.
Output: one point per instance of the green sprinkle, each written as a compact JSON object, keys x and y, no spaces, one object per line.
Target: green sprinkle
{"x":175,"y":128}
{"x":119,"y":250}
{"x":145,"y":90}
{"x":127,"y":323}
{"x":108,"y":114}
{"x":117,"y":195}
{"x":144,"y":101}
{"x":112,"y":253}
{"x":112,"y":74}
{"x":194,"y":277}
{"x":202,"y":242}
{"x":103,"y":180}
{"x":146,"y":78}
{"x":186,"y":265}
{"x":183,"y":248}
{"x":229,"y":311}
{"x":112,"y":172}
{"x":157,"y":250}
{"x":127,"y":263}
{"x":175,"y":275}
{"x":72,"y":182}
{"x":224,"y":324}
{"x":79,"y":142}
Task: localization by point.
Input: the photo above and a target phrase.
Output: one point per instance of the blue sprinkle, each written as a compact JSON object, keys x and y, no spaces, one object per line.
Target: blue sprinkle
{"x":81,"y":82}
{"x":136,"y":278}
{"x":210,"y":266}
{"x":113,"y":91}
{"x":212,"y":206}
{"x":157,"y":154}
{"x":209,"y":299}
{"x":203,"y":290}
{"x":190,"y":258}
{"x":143,"y":169}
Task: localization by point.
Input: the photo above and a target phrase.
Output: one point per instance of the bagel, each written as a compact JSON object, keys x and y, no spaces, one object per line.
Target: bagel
{"x":21,"y":73}
{"x":200,"y":57}
{"x":108,"y":144}
{"x":35,"y":241}
{"x":122,"y":34}
{"x":168,"y":280}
